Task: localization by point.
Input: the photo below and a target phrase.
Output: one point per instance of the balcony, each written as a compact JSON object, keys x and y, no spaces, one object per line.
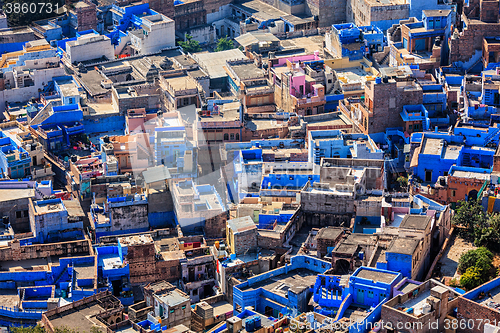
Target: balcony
{"x":260,"y":90}
{"x":314,"y":99}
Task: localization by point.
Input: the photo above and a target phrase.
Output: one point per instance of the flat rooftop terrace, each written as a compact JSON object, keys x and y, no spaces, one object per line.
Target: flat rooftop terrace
{"x":40,"y":264}
{"x":98,"y":109}
{"x":9,"y":298}
{"x":298,"y":278}
{"x":248,"y":71}
{"x":15,"y":194}
{"x":85,"y":272}
{"x":181,"y":82}
{"x":492,"y":299}
{"x":81,"y":320}
{"x":222,"y":307}
{"x":408,"y":286}
{"x":416,"y":302}
{"x":376,"y":276}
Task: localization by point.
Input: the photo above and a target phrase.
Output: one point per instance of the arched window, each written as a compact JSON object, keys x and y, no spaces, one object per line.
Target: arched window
{"x":226,"y":136}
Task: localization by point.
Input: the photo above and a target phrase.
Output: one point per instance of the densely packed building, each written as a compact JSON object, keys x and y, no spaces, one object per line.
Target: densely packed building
{"x":251,"y":166}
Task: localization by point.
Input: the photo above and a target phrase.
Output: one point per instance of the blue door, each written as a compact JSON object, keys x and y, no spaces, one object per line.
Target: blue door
{"x":360,"y":297}
{"x":419,"y":44}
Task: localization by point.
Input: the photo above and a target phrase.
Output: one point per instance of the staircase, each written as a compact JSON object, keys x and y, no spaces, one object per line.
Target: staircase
{"x":474,"y":64}
{"x":202,"y":97}
{"x":42,"y":115}
{"x":60,"y":275}
{"x":466,"y":159}
{"x":494,"y":133}
{"x":143,"y":149}
{"x":385,"y":59}
{"x":39,"y":193}
{"x":196,"y":322}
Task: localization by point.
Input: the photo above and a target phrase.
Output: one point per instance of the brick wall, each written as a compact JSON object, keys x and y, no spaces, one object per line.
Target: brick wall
{"x":168,"y":270}
{"x":245,"y":240}
{"x":64,"y":249}
{"x":324,"y":243}
{"x":268,"y":240}
{"x":489,"y":11}
{"x":87,"y":17}
{"x":165,"y":7}
{"x":142,"y":263}
{"x":462,"y":48}
{"x":469,"y":310}
{"x":386,"y":101}
{"x":215,"y":227}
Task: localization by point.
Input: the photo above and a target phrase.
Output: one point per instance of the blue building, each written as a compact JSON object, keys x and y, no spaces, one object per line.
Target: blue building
{"x":56,"y":125}
{"x":420,"y":36}
{"x":15,"y":162}
{"x":349,"y":41}
{"x":49,"y":29}
{"x":286,"y":184}
{"x":248,"y":159}
{"x":71,"y":278}
{"x":120,"y":215}
{"x":285,"y":290}
{"x":195,"y":205}
{"x":415,"y":118}
{"x":439,"y":151}
{"x":334,"y":143}
{"x":115,"y":271}
{"x":435,"y":102}
{"x":418,"y":6}
{"x":362,"y":296}
{"x":50,"y":220}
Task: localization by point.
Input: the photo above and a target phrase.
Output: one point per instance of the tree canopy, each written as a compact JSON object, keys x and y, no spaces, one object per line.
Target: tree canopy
{"x":475,"y":266}
{"x":223,"y":44}
{"x":476,"y":225}
{"x":190,"y":45}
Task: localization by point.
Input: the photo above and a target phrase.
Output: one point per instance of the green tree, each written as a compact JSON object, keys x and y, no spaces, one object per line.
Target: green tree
{"x":403,"y":182}
{"x":480,"y":258}
{"x":27,"y":329}
{"x":224,"y":44}
{"x":470,"y":215}
{"x":472,"y":278}
{"x":190,"y":45}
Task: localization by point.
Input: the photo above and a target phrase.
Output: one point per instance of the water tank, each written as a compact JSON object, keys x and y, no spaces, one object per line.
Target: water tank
{"x":249,"y":324}
{"x":310,"y":318}
{"x":256,"y":320}
{"x":378,"y":80}
{"x":361,"y":255}
{"x":232,"y":256}
{"x":426,"y":308}
{"x":137,"y":197}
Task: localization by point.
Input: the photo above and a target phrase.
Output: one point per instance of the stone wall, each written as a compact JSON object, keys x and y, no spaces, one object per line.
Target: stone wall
{"x":17,"y":252}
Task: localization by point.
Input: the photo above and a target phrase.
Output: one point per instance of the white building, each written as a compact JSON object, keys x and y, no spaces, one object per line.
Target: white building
{"x":26,"y":72}
{"x":89,"y":47}
{"x":157,"y":33}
